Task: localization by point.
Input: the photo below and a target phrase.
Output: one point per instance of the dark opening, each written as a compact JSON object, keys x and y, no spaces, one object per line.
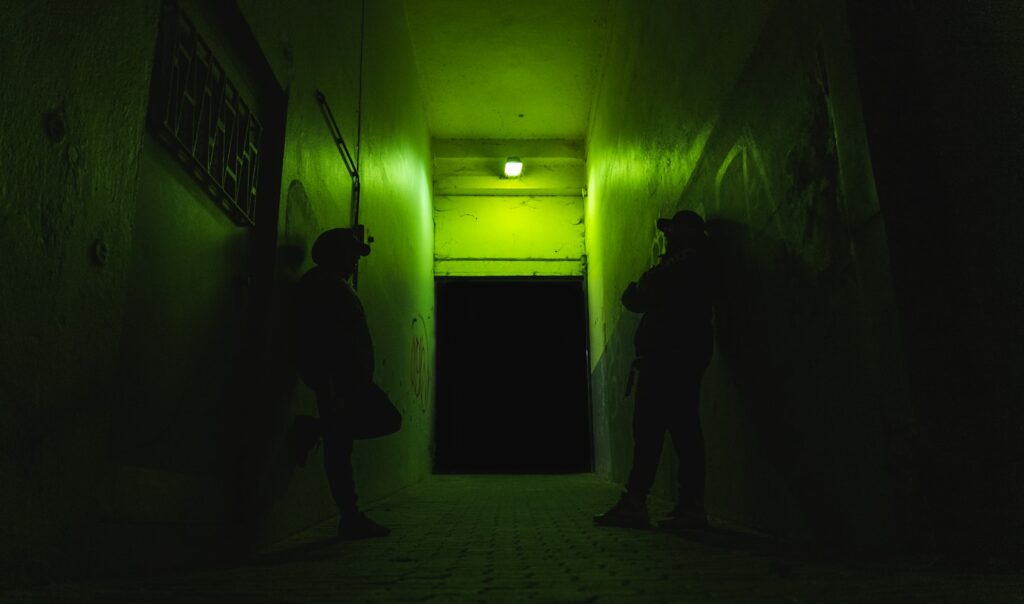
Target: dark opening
{"x":512,"y":377}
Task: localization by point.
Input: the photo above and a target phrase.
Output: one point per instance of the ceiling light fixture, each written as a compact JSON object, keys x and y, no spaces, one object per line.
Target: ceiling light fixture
{"x":513,"y":167}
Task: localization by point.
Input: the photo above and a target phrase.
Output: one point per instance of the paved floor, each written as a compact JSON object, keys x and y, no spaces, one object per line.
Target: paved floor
{"x":529,"y":539}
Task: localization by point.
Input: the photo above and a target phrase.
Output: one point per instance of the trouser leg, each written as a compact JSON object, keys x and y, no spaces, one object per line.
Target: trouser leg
{"x":338,"y":465}
{"x":338,"y":458}
{"x":648,"y":434}
{"x":688,"y":441}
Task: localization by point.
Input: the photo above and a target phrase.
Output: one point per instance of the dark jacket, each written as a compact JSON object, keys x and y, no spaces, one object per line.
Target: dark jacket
{"x":333,"y":349}
{"x":675,"y":299}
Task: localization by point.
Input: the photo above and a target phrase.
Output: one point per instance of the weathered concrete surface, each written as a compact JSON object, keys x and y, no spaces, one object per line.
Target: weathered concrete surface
{"x":138,"y":405}
{"x":72,"y":108}
{"x":755,"y":122}
{"x":489,"y":225}
{"x":318,"y":48}
{"x":508,"y":71}
{"x":942,"y":92}
{"x":508,"y":236}
{"x":531,"y":539}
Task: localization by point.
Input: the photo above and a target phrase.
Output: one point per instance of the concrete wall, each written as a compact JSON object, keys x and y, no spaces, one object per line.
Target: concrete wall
{"x":318,"y":47}
{"x":755,"y":122}
{"x":508,"y":236}
{"x":488,"y":225}
{"x":61,"y":312}
{"x":942,"y":89}
{"x":145,"y":401}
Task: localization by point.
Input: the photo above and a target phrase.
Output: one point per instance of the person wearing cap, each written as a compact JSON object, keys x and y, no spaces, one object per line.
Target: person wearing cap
{"x":673,"y":348}
{"x":334,"y":355}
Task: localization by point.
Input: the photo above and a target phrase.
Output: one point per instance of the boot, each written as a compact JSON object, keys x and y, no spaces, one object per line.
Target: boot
{"x":630,"y":511}
{"x":356,"y":525}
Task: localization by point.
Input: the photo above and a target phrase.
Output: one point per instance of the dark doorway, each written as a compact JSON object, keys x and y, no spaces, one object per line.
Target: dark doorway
{"x":512,"y":377}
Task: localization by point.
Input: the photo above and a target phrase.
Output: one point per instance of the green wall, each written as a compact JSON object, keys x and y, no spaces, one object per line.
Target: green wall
{"x":508,"y":236}
{"x":397,"y":280}
{"x":318,"y":48}
{"x":755,"y":123}
{"x":488,"y":225}
{"x":146,"y":402}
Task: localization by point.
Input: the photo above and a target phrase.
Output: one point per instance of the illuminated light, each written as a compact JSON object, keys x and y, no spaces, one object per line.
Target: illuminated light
{"x":513,"y":167}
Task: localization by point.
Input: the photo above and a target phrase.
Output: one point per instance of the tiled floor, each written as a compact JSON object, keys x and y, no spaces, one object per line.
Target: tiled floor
{"x":529,"y":539}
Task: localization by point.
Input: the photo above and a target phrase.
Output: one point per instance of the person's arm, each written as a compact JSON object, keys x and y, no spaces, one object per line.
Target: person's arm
{"x":636,"y":298}
{"x":654,"y":283}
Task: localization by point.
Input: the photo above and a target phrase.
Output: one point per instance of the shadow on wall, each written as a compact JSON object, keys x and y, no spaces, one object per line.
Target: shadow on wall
{"x":786,"y":285}
{"x":271,"y":459}
{"x":199,"y":438}
{"x":753,"y":316}
{"x":799,"y":385}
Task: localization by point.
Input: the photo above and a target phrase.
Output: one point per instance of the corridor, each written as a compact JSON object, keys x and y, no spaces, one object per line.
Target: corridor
{"x":848,"y":377}
{"x":531,"y":539}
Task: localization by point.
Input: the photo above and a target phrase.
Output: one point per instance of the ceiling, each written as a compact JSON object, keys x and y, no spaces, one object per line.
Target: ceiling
{"x":506,"y":69}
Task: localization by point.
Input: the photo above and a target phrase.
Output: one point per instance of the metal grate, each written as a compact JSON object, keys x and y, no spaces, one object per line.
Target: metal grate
{"x":198,"y":112}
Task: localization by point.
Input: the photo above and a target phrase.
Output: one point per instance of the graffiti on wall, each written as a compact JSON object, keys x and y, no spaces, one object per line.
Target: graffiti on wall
{"x":657,"y":247}
{"x":793,"y":199}
{"x":419,"y":364}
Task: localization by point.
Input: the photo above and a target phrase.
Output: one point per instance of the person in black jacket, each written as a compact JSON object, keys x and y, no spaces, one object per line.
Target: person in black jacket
{"x":673,"y":348}
{"x":334,"y":354}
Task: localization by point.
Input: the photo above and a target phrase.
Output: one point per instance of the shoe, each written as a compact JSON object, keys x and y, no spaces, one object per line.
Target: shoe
{"x":629,"y":512}
{"x":359,"y":526}
{"x":685,"y":519}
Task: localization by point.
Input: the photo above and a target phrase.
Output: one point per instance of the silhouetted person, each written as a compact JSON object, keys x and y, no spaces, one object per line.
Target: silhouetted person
{"x":335,"y":359}
{"x":673,"y":348}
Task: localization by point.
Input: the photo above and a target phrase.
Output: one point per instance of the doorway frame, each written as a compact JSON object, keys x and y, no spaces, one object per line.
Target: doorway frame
{"x":578,"y":279}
